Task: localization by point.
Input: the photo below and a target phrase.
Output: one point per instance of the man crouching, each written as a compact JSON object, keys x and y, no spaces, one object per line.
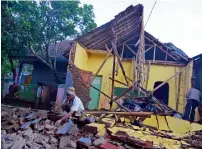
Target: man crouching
{"x":72,"y":104}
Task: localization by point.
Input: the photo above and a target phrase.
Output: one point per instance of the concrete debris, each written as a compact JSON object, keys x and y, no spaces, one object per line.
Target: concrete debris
{"x":65,"y":141}
{"x":36,"y":132}
{"x":53,"y":140}
{"x":18,"y":144}
{"x":86,"y":141}
{"x":99,"y":141}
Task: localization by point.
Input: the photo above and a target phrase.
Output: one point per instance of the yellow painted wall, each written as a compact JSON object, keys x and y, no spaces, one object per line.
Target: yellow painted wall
{"x":92,"y":61}
{"x":81,"y":57}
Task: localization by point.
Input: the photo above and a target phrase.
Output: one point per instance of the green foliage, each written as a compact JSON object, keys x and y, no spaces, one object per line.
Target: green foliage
{"x":27,"y":25}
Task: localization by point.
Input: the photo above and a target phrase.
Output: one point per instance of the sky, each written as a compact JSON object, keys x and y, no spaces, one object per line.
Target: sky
{"x":176,"y":21}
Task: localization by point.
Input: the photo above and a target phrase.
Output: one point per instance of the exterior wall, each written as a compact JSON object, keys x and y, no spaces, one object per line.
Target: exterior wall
{"x":82,"y":91}
{"x":41,"y":72}
{"x":81,"y":57}
{"x":92,"y":61}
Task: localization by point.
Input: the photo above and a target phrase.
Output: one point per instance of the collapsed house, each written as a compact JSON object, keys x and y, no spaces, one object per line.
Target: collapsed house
{"x":160,"y":68}
{"x":42,"y":74}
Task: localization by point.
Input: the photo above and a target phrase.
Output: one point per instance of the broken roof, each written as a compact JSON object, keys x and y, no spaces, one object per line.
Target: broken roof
{"x":126,"y":24}
{"x":172,"y":50}
{"x":177,"y":50}
{"x":54,"y":51}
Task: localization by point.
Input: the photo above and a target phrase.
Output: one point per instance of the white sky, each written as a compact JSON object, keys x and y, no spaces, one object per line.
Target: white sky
{"x":176,"y":21}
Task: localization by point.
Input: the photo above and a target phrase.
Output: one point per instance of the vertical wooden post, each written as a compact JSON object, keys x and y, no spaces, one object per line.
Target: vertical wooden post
{"x":148,"y":72}
{"x":166,"y":57}
{"x":117,"y":64}
{"x":154,"y":55}
{"x":113,"y":75}
{"x":178,"y":92}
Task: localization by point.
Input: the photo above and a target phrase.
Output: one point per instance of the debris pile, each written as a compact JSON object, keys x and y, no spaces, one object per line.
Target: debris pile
{"x":26,"y":129}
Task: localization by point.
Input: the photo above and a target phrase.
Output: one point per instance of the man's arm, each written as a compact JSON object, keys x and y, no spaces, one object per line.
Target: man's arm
{"x":66,"y":117}
{"x":188,"y":93}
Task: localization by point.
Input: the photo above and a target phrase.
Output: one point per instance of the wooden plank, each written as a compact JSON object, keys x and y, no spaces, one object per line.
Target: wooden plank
{"x":134,"y":70}
{"x":131,"y":49}
{"x":113,"y":75}
{"x":122,"y":52}
{"x":178,"y":91}
{"x":117,"y":65}
{"x":123,"y":93}
{"x":106,"y":58}
{"x":138,"y":114}
{"x":148,"y":49}
{"x":154,"y":54}
{"x":119,"y":82}
{"x":148,"y":72}
{"x":162,"y":49}
{"x":160,"y":85}
{"x":110,"y":98}
{"x":166,"y":57}
{"x":119,"y":61}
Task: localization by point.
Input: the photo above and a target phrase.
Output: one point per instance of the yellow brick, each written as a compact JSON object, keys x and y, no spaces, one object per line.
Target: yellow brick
{"x":101,"y":133}
{"x":109,"y":122}
{"x":116,"y":129}
{"x":162,"y":123}
{"x":122,"y":119}
{"x":96,"y":126}
{"x":151,"y":121}
{"x":135,"y":127}
{"x":195,"y":127}
{"x":177,"y":125}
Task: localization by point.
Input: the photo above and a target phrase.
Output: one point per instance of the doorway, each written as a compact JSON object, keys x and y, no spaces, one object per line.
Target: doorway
{"x":162,"y":93}
{"x":94,"y":94}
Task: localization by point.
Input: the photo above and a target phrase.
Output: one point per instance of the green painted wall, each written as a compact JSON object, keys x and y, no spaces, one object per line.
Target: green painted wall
{"x":94,"y":94}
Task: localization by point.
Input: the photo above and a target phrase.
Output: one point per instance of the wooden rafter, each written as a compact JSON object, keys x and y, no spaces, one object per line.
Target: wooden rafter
{"x":117,"y":65}
{"x":119,"y":61}
{"x":131,"y":49}
{"x":162,"y":49}
{"x":149,"y":49}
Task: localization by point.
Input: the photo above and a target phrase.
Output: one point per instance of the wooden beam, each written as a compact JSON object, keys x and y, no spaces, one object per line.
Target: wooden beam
{"x":138,"y":114}
{"x":148,"y":49}
{"x":110,"y":98}
{"x":122,"y":52}
{"x":148,"y":72}
{"x":106,"y":58}
{"x":119,"y":61}
{"x":166,"y":57}
{"x":154,"y":54}
{"x":160,"y":85}
{"x":113,"y":75}
{"x":178,"y":91}
{"x":162,"y":49}
{"x":131,"y":50}
{"x":134,"y":69}
{"x":119,"y":82}
{"x":123,"y":93}
{"x":170,"y":63}
{"x":117,"y":65}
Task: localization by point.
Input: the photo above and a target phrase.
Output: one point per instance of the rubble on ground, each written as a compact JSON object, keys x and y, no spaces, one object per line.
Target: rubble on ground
{"x":27,"y":129}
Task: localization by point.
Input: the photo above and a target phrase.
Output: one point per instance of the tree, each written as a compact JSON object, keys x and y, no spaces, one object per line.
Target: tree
{"x":30,"y":26}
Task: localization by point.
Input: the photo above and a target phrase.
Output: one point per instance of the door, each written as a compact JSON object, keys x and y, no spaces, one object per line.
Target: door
{"x":94,"y":94}
{"x":162,"y":93}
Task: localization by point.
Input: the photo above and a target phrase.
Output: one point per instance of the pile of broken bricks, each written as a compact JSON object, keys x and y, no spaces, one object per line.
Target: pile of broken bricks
{"x":25,"y":129}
